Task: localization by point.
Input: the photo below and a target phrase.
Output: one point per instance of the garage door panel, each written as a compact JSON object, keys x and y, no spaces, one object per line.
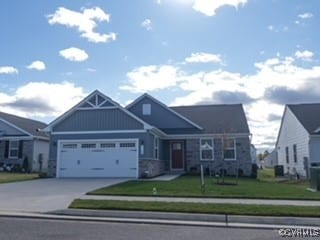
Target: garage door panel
{"x":98,"y":159}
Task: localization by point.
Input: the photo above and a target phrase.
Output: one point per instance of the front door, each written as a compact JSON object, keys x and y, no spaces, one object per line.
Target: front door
{"x":177,"y":155}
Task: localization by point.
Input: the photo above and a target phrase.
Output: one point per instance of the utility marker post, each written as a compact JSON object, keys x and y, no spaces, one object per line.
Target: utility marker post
{"x":203,"y":188}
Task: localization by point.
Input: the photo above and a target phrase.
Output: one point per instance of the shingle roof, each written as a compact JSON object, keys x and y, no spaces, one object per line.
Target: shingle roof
{"x":308,"y":115}
{"x":216,"y":118}
{"x":28,"y":125}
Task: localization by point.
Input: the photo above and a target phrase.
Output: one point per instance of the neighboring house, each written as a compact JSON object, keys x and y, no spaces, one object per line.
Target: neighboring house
{"x":271,"y":160}
{"x":253,"y":153}
{"x":19,"y":139}
{"x":100,"y":138}
{"x":298,"y":143}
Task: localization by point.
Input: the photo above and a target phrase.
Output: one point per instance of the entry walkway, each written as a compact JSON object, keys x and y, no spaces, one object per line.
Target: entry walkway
{"x":206,"y":200}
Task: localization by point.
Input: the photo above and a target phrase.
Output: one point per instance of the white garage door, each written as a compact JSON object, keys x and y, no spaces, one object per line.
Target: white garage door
{"x":98,"y":159}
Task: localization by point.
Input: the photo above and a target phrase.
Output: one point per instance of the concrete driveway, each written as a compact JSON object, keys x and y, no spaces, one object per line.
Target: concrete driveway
{"x":43,"y":195}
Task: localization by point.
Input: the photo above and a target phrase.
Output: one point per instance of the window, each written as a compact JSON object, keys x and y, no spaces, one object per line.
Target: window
{"x":69,"y":145}
{"x":13,"y":149}
{"x":88,"y":145}
{"x":127,"y":145}
{"x":176,"y":146}
{"x":107,"y":145}
{"x":156,"y":147}
{"x":229,"y":149}
{"x":295,"y":157}
{"x":287,"y":154}
{"x":146,"y":109}
{"x":206,"y":149}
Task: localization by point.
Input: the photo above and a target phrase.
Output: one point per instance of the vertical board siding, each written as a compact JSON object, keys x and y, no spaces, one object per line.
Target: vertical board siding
{"x":292,"y":132}
{"x":98,"y":120}
{"x":160,"y":116}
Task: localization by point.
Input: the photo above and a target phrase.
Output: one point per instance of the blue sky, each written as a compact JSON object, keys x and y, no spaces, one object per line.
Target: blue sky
{"x":263,"y":54}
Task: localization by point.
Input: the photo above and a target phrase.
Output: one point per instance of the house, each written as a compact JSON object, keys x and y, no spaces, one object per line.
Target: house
{"x":100,"y":138}
{"x":298,"y":143}
{"x":253,"y":154}
{"x":271,"y":159}
{"x":21,"y":141}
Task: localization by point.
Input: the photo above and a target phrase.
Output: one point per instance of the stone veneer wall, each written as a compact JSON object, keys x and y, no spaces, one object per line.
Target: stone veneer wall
{"x":151,"y":167}
{"x":242,"y":154}
{"x":52,"y":168}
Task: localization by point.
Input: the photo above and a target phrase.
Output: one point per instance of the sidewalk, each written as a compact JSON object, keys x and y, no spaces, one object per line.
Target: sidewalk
{"x":205,"y":200}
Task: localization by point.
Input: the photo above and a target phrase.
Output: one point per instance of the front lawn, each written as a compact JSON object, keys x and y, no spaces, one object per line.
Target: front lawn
{"x":16,"y":177}
{"x":189,"y":186}
{"x":231,"y":209}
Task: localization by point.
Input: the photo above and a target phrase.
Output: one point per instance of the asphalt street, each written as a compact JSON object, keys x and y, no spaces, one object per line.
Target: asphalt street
{"x":40,"y":229}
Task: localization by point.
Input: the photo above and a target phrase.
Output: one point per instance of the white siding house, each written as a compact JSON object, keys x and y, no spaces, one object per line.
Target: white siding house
{"x":298,"y":143}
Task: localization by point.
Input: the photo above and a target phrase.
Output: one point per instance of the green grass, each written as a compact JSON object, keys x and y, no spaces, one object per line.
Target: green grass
{"x":232,"y":209}
{"x":265,"y":187}
{"x":16,"y":177}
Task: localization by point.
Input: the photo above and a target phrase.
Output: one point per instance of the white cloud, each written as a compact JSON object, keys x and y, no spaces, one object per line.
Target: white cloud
{"x":85,"y":22}
{"x":39,"y":99}
{"x":147,"y":24}
{"x":74,"y":54}
{"x":152,"y":78}
{"x":91,"y":70}
{"x":37,"y":65}
{"x":304,"y":55}
{"x":305,"y":15}
{"x":209,"y":7}
{"x":202,"y":57}
{"x":277,"y":81}
{"x":278,"y":29}
{"x":8,"y":70}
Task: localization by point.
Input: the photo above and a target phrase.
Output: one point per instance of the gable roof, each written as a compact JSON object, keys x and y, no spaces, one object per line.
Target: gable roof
{"x":216,"y":118}
{"x":91,"y":105}
{"x":28,"y":126}
{"x":146,"y":95}
{"x":308,"y":115}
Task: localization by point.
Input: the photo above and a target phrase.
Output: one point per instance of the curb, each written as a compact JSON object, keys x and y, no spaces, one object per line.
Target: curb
{"x":196,"y":220}
{"x":222,"y":219}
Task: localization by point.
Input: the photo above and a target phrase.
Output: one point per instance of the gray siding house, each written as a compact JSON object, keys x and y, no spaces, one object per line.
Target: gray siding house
{"x":20,"y":138}
{"x":298,"y":143}
{"x":100,"y":138}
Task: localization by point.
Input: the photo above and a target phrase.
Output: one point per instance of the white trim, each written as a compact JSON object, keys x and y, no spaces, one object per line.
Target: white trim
{"x":205,"y":135}
{"x":60,"y":142}
{"x":165,"y":106}
{"x":14,"y":126}
{"x":16,"y":138}
{"x":96,"y":108}
{"x":206,"y":138}
{"x":98,"y":132}
{"x":156,"y":147}
{"x":234,"y":148}
{"x":16,"y":149}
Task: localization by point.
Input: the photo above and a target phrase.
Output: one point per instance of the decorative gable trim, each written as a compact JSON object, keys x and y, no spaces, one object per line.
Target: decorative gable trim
{"x":95,"y":100}
{"x":146,"y":95}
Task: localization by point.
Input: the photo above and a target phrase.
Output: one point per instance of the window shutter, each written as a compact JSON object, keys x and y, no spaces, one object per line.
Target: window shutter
{"x":6,"y":149}
{"x":20,"y":149}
